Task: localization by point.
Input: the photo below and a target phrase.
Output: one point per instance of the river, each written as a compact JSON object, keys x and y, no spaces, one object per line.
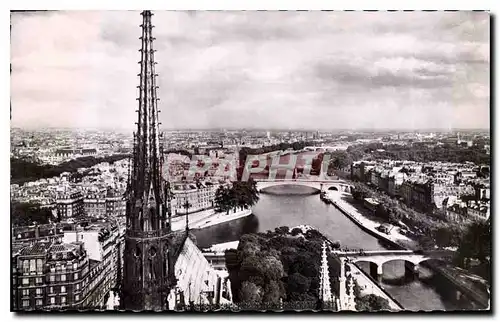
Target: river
{"x":293,"y":205}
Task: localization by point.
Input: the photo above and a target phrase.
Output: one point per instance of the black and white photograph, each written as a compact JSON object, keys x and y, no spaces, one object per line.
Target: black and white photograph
{"x":243,"y":161}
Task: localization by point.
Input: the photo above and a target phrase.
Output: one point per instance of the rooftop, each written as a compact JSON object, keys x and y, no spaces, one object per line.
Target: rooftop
{"x":39,"y":248}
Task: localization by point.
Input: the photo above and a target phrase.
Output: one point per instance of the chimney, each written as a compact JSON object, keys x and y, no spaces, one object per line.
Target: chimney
{"x":37,"y":231}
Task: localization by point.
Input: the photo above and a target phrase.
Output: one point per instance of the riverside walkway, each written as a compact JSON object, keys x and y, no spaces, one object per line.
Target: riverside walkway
{"x":462,"y":285}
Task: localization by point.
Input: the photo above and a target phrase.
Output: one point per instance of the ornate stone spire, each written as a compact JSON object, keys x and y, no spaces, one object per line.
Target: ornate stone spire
{"x":146,"y":187}
{"x":148,"y":274}
{"x":342,"y":284}
{"x":351,"y":299}
{"x":325,"y":293}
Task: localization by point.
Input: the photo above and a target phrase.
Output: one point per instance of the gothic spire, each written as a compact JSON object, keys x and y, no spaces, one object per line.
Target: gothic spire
{"x":325,"y":293}
{"x":146,"y":197}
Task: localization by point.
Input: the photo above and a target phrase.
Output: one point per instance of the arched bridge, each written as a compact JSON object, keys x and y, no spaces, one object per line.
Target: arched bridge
{"x":318,"y":184}
{"x":377,"y":259}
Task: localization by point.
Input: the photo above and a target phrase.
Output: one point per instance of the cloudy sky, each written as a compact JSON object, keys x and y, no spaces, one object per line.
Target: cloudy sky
{"x":285,"y":70}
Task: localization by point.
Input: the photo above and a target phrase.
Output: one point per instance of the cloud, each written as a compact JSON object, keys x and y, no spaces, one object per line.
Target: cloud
{"x":316,"y":70}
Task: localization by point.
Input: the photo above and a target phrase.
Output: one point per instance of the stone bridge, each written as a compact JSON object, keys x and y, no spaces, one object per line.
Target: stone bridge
{"x":377,"y":259}
{"x":318,"y":184}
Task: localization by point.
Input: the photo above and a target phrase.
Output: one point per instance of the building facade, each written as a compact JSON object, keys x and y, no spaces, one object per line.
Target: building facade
{"x":70,"y":205}
{"x":198,"y":197}
{"x":76,"y":272}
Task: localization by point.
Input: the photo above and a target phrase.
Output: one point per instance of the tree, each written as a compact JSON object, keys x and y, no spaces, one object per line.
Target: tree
{"x":447,"y":236}
{"x":250,"y":293}
{"x":273,"y":292}
{"x":272,"y":268}
{"x":298,"y":283}
{"x":223,"y":199}
{"x":426,"y":242}
{"x":340,"y":160}
{"x":242,"y":195}
{"x":296,"y":231}
{"x":283,"y":230}
{"x":26,"y":214}
{"x":476,"y":242}
{"x":246,"y":193}
{"x":23,"y":170}
{"x":372,"y":302}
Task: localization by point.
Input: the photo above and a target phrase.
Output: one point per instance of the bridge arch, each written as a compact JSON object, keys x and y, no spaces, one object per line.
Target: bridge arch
{"x":423,"y":260}
{"x":374,"y":267}
{"x":406,"y":260}
{"x":377,"y":264}
{"x":317,"y":185}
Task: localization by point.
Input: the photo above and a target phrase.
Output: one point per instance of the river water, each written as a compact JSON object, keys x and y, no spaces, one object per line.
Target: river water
{"x":293,"y":205}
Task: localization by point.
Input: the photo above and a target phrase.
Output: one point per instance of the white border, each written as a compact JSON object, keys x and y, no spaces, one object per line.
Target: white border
{"x":490,"y":5}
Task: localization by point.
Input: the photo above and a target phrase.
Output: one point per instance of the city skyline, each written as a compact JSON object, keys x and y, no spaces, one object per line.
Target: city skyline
{"x":289,"y":70}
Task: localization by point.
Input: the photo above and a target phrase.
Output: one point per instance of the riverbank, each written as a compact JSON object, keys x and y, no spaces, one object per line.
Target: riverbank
{"x":368,"y":286}
{"x":462,"y":282}
{"x":219,"y":218}
{"x":207,"y":218}
{"x":179,"y":222}
{"x":394,"y":237}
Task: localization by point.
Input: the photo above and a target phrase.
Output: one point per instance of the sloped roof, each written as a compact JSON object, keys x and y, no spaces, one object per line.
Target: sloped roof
{"x":40,"y":248}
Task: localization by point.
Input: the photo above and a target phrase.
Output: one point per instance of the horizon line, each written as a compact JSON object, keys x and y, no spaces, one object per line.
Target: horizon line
{"x":256,"y":129}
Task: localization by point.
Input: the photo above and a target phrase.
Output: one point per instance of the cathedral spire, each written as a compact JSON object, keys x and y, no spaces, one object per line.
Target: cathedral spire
{"x":148,"y":265}
{"x":147,"y":197}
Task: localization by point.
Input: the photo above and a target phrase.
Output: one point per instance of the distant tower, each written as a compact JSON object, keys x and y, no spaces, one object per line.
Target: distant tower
{"x":147,"y":272}
{"x":325,"y":293}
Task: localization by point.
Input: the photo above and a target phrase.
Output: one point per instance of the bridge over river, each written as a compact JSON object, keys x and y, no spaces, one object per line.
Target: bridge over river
{"x":378,"y":258}
{"x":314,"y":182}
{"x":293,"y":203}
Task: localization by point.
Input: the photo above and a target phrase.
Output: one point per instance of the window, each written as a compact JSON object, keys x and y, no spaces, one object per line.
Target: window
{"x":75,"y":266}
{"x":39,"y":302}
{"x":76,"y":276}
{"x":26,"y":303}
{"x":38,"y":291}
{"x":63,"y":277}
{"x":63,"y":289}
{"x":51,"y":290}
{"x":39,"y":266}
{"x":26,"y":281}
{"x":26,"y":266}
{"x":39,"y":280}
{"x":77,"y":297}
{"x":52,"y":278}
{"x":32,"y":265}
{"x":77,"y":286}
{"x":26,"y":292}
{"x":63,"y":299}
{"x":52,"y":300}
